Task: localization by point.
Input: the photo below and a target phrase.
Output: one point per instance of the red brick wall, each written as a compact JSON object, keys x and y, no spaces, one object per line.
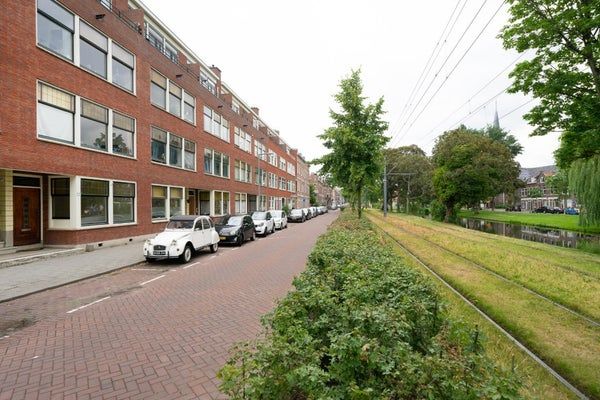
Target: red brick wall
{"x":22,"y":63}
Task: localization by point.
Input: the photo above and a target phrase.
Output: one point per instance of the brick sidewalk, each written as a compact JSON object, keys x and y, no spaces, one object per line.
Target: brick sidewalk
{"x":164,"y":341}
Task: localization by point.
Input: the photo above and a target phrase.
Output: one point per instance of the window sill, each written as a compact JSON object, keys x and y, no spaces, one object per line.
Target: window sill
{"x":91,"y":227}
{"x":172,"y":166}
{"x":217,"y":176}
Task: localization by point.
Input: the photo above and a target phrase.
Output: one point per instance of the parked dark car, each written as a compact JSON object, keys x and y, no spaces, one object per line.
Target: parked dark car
{"x":557,"y":210}
{"x":542,"y":210}
{"x":235,"y":229}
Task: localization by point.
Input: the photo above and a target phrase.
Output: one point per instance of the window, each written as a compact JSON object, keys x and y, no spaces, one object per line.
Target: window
{"x":159,"y":145}
{"x":208,"y":83}
{"x":215,"y":124}
{"x":241,"y":203}
{"x":243,"y":171}
{"x":170,"y":149}
{"x":55,"y":28}
{"x":190,"y":155}
{"x":159,"y":202}
{"x":282,"y":164}
{"x":122,"y":67}
{"x":282,"y":184}
{"x":272,"y":157}
{"x":123,"y":202}
{"x":175,"y":150}
{"x":221,"y":202}
{"x":272,"y":180}
{"x":255,"y":123}
{"x":123,"y":140}
{"x":61,"y":202}
{"x":94,"y":126}
{"x":260,"y":150}
{"x":93,"y":48}
{"x":175,"y":201}
{"x":260,"y":176}
{"x":157,"y":40}
{"x":175,"y":95}
{"x":158,"y":89}
{"x":189,"y":108}
{"x":55,"y":114}
{"x":242,"y":139}
{"x":272,"y":203}
{"x":94,"y":202}
{"x":235,"y":107}
{"x":208,"y":154}
{"x":216,"y":163}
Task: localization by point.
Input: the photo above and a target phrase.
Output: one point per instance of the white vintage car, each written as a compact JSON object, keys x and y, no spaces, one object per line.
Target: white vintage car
{"x":183,"y":235}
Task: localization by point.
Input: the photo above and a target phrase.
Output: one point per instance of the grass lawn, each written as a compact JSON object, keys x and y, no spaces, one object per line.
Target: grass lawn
{"x":560,"y":221}
{"x":567,"y":342}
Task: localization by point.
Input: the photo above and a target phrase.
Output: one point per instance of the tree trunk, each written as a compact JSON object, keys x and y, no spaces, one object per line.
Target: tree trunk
{"x":448,"y":213}
{"x":359,"y":200}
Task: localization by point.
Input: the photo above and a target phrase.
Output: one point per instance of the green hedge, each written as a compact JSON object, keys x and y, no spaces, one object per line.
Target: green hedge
{"x":362,"y":325}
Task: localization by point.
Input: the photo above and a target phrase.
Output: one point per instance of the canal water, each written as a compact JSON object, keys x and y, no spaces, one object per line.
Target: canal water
{"x":557,"y":237}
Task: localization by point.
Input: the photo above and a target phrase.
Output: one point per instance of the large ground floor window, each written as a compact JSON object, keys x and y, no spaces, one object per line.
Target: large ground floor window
{"x":221,"y":202}
{"x":167,"y":202}
{"x":241,"y":203}
{"x":76,"y":202}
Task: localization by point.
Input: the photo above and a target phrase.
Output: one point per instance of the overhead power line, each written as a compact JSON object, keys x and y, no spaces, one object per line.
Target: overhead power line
{"x":433,"y":56}
{"x":453,"y":69}
{"x":439,"y":70}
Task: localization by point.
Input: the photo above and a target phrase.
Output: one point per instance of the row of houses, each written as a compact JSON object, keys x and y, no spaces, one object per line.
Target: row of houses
{"x":535,"y":192}
{"x":110,"y":125}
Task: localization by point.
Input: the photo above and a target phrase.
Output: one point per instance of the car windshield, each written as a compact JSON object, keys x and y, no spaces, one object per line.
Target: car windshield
{"x":259,"y":215}
{"x":230,"y":220}
{"x":296,"y":212}
{"x":276,"y":214}
{"x":181,"y":224}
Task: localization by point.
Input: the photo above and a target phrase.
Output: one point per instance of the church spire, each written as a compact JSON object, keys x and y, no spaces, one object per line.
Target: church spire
{"x":496,"y":119}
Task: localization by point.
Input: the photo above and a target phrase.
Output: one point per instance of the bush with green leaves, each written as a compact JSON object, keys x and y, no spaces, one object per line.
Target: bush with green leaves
{"x":362,"y":325}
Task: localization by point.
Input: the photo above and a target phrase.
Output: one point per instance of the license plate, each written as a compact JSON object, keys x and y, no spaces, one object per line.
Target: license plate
{"x":160,"y":253}
{"x":222,"y":237}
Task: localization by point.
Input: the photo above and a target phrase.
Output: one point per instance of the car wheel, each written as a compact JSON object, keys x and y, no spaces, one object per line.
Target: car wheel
{"x":150,"y":260}
{"x":214,"y":247}
{"x":253,"y":238}
{"x":186,"y":256}
{"x":240,"y":239}
{"x":273,"y":230}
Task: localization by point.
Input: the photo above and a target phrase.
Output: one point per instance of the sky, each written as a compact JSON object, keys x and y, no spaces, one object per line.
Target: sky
{"x":288,"y":57}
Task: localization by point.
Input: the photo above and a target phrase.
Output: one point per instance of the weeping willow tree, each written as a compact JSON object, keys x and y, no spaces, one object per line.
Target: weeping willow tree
{"x":584,"y":182}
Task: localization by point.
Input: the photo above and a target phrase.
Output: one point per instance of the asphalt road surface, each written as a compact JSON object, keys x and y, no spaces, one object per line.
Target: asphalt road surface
{"x":159,"y":331}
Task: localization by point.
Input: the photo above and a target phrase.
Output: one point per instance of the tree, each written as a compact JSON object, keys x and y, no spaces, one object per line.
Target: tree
{"x":564,"y":75}
{"x":409,"y":159}
{"x":355,"y":141}
{"x":584,"y":182}
{"x":470,"y":168}
{"x":312,"y":195}
{"x":559,"y":184}
{"x":503,"y":136}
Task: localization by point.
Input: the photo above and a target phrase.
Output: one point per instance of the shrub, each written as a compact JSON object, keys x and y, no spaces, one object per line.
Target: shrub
{"x":361,"y":325}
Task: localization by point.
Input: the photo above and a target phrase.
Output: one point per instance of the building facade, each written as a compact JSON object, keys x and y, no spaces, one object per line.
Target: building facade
{"x":302,"y":199}
{"x":111,"y":125}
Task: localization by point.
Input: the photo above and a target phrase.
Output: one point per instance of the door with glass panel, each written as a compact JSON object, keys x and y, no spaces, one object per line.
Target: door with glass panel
{"x":27,"y":216}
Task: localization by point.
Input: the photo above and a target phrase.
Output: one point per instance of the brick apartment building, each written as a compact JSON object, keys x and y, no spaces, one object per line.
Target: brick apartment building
{"x":110,"y":125}
{"x":302,"y":198}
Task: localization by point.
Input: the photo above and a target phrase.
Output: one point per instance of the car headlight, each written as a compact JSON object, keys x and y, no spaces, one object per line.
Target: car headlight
{"x":174,"y":243}
{"x":148,"y":242}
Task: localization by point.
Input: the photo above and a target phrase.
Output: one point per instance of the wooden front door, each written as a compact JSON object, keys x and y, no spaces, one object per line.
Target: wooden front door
{"x":192,"y":204}
{"x":26,"y":207}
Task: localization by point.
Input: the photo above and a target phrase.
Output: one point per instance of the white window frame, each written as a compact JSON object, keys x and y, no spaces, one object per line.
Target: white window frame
{"x":182,"y":101}
{"x":167,"y":202}
{"x":77,"y":127}
{"x":241,"y":203}
{"x":167,"y":162}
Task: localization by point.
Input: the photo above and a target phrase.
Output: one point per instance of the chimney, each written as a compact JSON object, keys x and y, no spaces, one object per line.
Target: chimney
{"x":255,"y":109}
{"x":216,"y":71}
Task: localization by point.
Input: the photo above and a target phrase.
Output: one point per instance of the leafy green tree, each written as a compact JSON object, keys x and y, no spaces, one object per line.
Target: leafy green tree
{"x":584,"y":182}
{"x":470,"y":168}
{"x":409,"y":159}
{"x":503,"y":136}
{"x":559,"y":184}
{"x":535,"y":193}
{"x":564,"y":73}
{"x":355,"y":141}
{"x":312,"y":195}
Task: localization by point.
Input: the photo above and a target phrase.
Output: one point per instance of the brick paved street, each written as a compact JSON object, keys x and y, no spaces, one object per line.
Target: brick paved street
{"x":167,"y":338}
